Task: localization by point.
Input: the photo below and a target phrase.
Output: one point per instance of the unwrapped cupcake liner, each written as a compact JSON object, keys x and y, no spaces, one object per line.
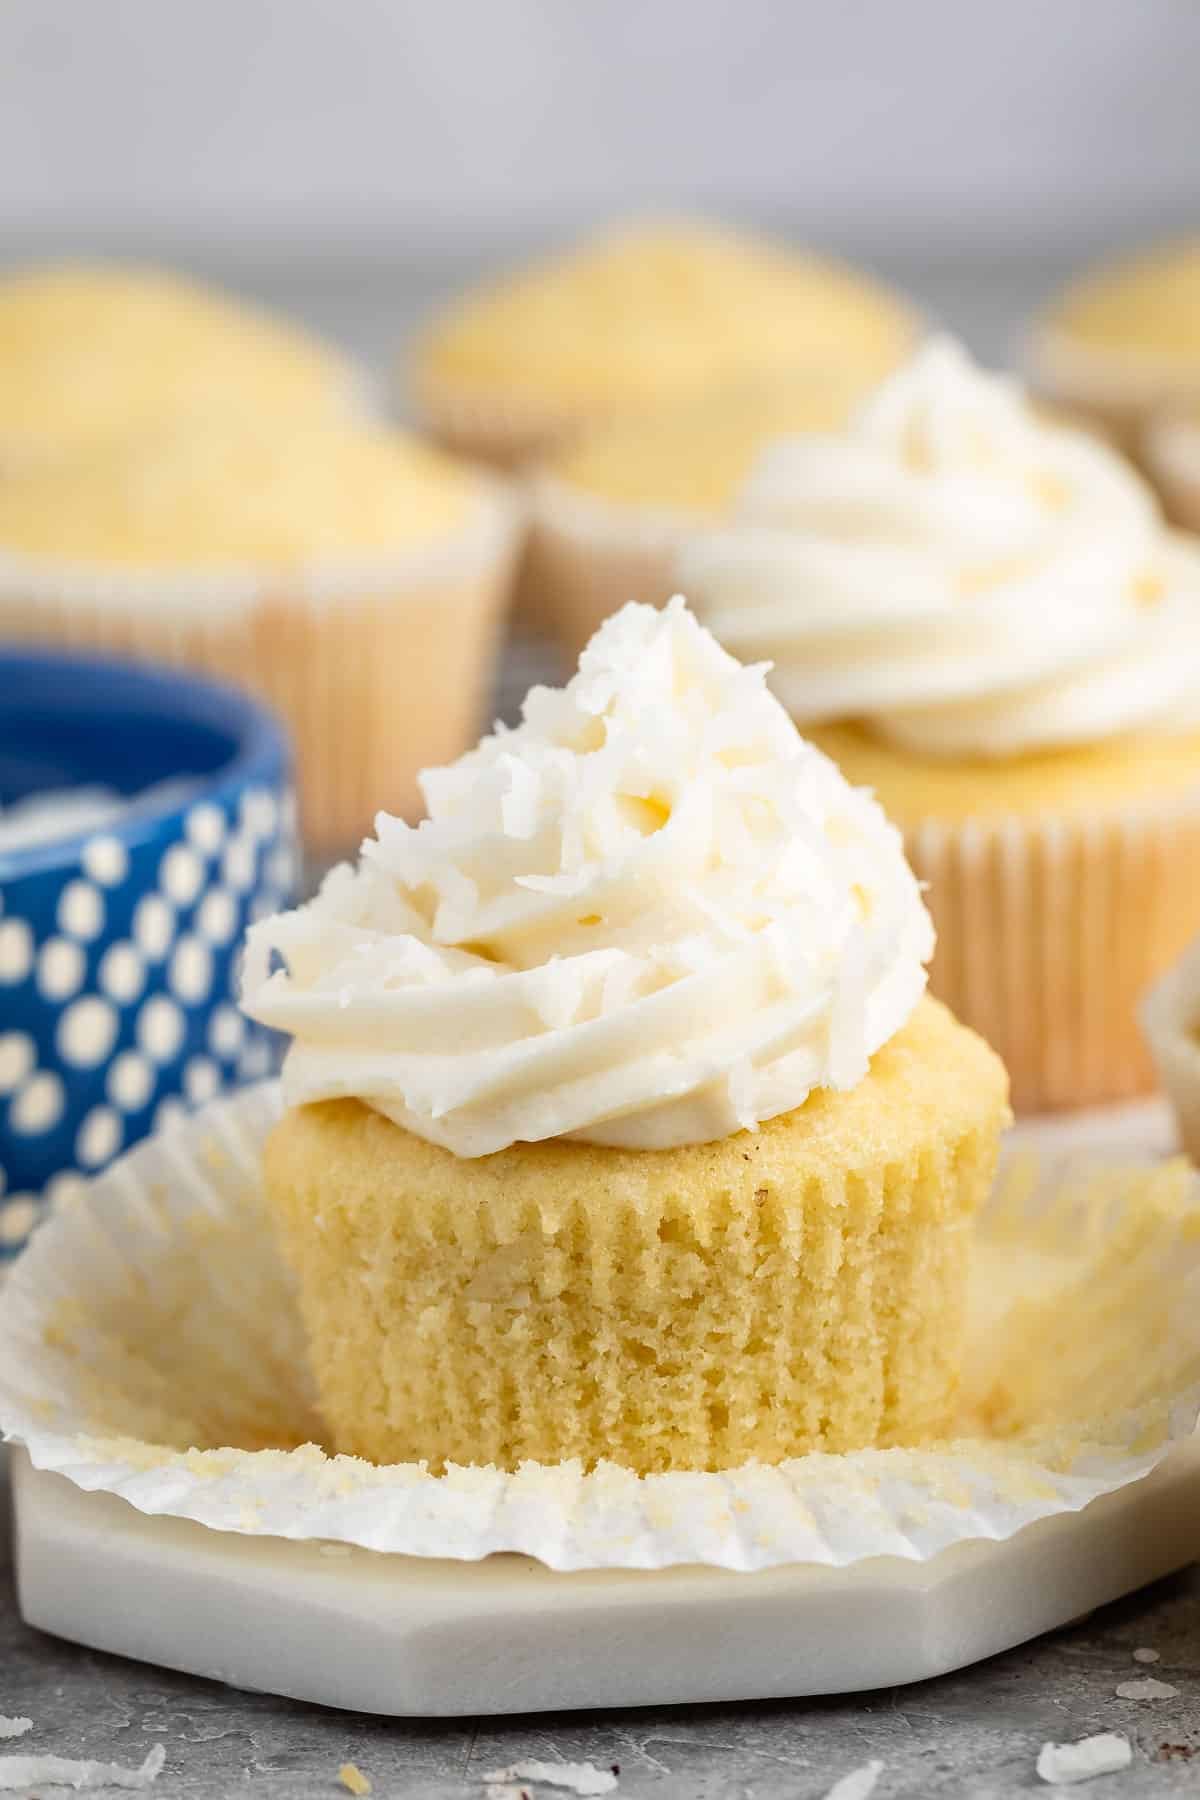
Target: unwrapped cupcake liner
{"x":586,"y":556}
{"x":1170,"y":1017}
{"x":1050,"y":929}
{"x":150,"y":1347}
{"x":378,"y":670}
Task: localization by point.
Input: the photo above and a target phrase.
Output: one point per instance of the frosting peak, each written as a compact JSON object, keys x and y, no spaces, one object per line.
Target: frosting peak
{"x":650,"y":915}
{"x":958,"y":570}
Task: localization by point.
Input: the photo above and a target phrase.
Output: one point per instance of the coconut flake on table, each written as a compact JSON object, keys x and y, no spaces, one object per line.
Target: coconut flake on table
{"x":14,"y":1728}
{"x":1145,"y":1655}
{"x":20,"y":1773}
{"x":1065,"y":1764}
{"x":580,"y":1778}
{"x":859,"y":1784}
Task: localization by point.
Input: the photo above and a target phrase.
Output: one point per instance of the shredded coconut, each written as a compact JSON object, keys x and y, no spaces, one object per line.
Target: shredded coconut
{"x":1064,"y":1764}
{"x":1149,"y":1689}
{"x":858,"y":1785}
{"x":1146,"y":1656}
{"x":580,"y":1778}
{"x":651,"y":915}
{"x":18,"y":1773}
{"x":14,"y":1728}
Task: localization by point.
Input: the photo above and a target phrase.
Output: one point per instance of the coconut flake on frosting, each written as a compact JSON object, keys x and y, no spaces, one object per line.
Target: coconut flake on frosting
{"x":650,"y":915}
{"x":964,"y":574}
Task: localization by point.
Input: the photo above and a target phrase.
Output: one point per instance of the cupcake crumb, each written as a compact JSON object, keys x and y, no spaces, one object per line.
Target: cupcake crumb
{"x":353,"y":1779}
{"x":1145,"y":1655}
{"x":1148,"y":1689}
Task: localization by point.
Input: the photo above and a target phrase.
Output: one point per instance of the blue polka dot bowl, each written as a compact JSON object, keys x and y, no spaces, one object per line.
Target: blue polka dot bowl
{"x":146,"y":818}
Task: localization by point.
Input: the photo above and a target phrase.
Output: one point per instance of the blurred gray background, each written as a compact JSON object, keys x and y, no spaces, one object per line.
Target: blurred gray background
{"x":359,"y":157}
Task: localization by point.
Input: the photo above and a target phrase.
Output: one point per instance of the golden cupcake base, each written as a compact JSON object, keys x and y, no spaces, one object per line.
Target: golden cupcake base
{"x":796,"y":1288}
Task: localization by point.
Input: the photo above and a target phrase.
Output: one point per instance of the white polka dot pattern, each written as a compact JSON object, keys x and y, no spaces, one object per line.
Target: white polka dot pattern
{"x":118,"y":994}
{"x":81,"y":911}
{"x":61,"y":967}
{"x":16,"y":950}
{"x":87,"y":1032}
{"x":106,"y":860}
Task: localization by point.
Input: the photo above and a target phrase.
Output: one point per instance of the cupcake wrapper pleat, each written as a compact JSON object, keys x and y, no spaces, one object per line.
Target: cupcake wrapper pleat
{"x":1049,"y":932}
{"x":373,"y":685}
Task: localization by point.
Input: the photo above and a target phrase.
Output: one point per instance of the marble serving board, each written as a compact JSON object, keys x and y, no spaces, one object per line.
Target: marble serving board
{"x":388,"y":1634}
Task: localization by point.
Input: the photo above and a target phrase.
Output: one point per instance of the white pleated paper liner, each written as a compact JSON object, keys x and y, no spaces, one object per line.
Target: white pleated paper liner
{"x":150,"y":1347}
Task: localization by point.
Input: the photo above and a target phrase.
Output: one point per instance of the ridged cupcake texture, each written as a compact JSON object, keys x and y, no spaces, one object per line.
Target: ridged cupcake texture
{"x":619,"y":1126}
{"x":981,"y":614}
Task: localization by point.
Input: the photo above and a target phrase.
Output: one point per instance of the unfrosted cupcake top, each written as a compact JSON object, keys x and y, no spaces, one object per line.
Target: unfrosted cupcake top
{"x":1146,"y":306}
{"x":656,"y":310}
{"x":92,"y":353}
{"x":651,"y":915}
{"x":964,"y":574}
{"x":693,"y":458}
{"x":217,"y":500}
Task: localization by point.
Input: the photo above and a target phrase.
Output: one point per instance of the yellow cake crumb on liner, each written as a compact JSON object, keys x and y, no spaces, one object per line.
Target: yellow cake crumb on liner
{"x":151,"y":1347}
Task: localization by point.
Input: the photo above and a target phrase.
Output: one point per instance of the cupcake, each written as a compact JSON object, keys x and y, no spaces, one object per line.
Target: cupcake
{"x":612,"y":510}
{"x":1123,"y":339}
{"x":94,"y":353}
{"x":980,"y":615}
{"x":639,"y":319}
{"x":351,"y":577}
{"x":619,"y":1124}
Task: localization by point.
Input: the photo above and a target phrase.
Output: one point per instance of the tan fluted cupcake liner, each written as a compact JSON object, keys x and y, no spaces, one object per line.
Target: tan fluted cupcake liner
{"x":586,"y":556}
{"x":1170,"y":449}
{"x":1170,"y":1018}
{"x":376,"y":675}
{"x":1113,"y":394}
{"x":1049,"y":932}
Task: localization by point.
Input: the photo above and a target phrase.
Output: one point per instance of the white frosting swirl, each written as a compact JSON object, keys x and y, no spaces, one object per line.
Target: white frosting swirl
{"x":965,"y":575}
{"x":651,"y":915}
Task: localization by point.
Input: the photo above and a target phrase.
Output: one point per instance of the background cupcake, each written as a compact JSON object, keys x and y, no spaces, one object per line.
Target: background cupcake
{"x":622,"y":1129}
{"x":92,"y":353}
{"x":1123,"y":339}
{"x":639,"y":319}
{"x":982,"y":617}
{"x":610,"y":512}
{"x":352,"y":577}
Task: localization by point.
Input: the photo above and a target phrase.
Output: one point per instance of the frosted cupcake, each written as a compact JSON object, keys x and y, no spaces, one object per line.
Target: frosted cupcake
{"x":610,"y":513}
{"x":981,"y":616}
{"x":639,"y":319}
{"x":353,"y":578}
{"x":91,"y":354}
{"x":620,"y":1126}
{"x":1123,"y":340}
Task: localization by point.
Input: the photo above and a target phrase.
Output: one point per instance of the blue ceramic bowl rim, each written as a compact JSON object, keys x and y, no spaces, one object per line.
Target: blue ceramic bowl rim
{"x":261,"y":753}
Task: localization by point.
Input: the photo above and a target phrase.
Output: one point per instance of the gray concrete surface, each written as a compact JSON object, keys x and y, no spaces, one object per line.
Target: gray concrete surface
{"x":973,"y":1735}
